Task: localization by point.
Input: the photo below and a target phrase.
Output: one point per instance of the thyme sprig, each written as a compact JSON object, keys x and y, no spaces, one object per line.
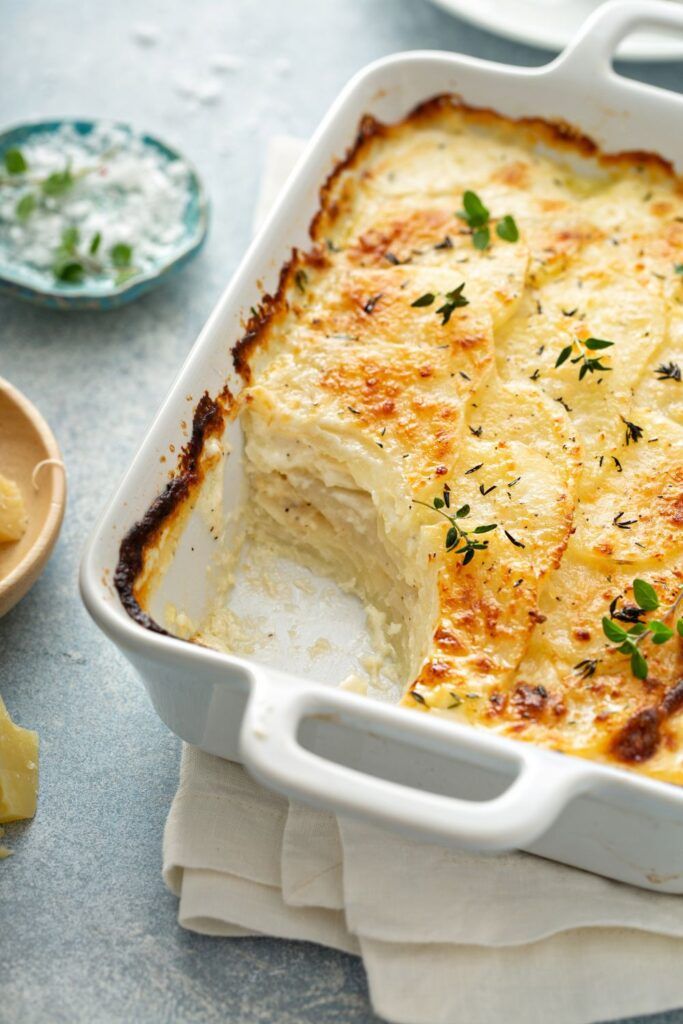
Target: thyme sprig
{"x":454,"y":300}
{"x":621,"y":523}
{"x":459,"y":540}
{"x":589,"y":364}
{"x":586,"y":668}
{"x":477,"y":218}
{"x":656,"y":630}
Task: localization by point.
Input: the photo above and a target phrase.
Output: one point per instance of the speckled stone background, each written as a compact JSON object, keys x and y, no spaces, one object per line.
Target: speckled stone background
{"x":88,"y":932}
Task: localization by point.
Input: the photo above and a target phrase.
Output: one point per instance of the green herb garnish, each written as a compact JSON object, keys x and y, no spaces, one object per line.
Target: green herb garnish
{"x":477,"y":218}
{"x":586,"y":668}
{"x":25,"y":206}
{"x":57,"y":183}
{"x":633,"y":431}
{"x":513,"y":540}
{"x":121,"y":254}
{"x":458,"y":539}
{"x":70,"y":239}
{"x":69,"y":270}
{"x":481,"y":238}
{"x":371,"y":303}
{"x":507,"y":229}
{"x":72,"y":263}
{"x":621,"y":523}
{"x":669,"y":371}
{"x":589,"y":364}
{"x":454,"y":300}
{"x":425,"y":300}
{"x":474,"y":212}
{"x":656,"y":630}
{"x":15,"y":161}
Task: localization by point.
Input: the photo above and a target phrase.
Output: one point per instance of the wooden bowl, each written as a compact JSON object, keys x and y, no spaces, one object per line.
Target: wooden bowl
{"x":25,"y":441}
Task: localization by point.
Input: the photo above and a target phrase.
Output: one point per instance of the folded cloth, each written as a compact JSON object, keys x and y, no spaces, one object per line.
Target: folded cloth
{"x":445,"y":936}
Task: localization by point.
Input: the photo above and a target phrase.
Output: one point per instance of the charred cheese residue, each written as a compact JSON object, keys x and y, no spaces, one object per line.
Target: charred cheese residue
{"x":361,"y":405}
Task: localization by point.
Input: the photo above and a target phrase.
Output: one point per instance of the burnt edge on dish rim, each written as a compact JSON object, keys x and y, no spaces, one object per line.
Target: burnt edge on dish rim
{"x":640,"y":735}
{"x":207,"y":421}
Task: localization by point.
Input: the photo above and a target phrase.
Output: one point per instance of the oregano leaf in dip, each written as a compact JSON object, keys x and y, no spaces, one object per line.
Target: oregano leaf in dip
{"x":15,"y":161}
{"x":121,"y":254}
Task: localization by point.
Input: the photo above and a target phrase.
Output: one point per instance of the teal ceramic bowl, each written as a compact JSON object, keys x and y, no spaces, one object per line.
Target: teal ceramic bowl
{"x":24,"y":282}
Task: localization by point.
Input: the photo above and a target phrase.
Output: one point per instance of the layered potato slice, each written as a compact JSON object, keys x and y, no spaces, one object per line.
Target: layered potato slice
{"x":527,"y":391}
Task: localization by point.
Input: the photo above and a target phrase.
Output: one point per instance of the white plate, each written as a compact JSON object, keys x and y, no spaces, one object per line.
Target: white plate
{"x":552,"y":23}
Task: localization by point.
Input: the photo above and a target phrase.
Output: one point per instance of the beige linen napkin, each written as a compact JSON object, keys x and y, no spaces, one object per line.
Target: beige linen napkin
{"x":445,"y":936}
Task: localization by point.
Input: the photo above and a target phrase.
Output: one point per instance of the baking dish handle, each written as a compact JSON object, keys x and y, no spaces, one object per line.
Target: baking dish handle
{"x":271,"y":751}
{"x":593,"y":47}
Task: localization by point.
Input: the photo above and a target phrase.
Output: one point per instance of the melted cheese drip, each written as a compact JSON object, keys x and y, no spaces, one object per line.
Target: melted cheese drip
{"x":362,"y":405}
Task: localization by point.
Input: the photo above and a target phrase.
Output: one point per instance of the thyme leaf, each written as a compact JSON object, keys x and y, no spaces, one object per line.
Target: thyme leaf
{"x":474,"y":213}
{"x":425,"y":300}
{"x":587,"y":667}
{"x":15,"y":161}
{"x":25,"y":206}
{"x":481,"y":238}
{"x":371,"y":303}
{"x":507,"y":229}
{"x":454,"y":300}
{"x":669,"y":371}
{"x":59,"y":182}
{"x":621,"y":523}
{"x":121,"y":254}
{"x":477,"y":218}
{"x":513,"y":540}
{"x":633,"y":431}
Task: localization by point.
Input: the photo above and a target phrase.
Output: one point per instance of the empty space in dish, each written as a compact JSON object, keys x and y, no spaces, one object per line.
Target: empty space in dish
{"x":230,"y":585}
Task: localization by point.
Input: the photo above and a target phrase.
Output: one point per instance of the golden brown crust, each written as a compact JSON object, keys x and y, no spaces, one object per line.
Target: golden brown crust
{"x":556,"y":134}
{"x":208,"y":421}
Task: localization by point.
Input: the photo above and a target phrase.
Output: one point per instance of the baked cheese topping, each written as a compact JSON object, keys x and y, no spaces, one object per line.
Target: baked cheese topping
{"x":478,"y":417}
{"x":373,"y":389}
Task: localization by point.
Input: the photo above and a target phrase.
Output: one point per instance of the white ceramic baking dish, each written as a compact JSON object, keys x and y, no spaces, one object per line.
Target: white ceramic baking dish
{"x":434,"y":780}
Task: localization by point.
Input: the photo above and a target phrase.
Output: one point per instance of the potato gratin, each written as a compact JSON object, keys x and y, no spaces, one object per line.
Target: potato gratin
{"x":467,"y":395}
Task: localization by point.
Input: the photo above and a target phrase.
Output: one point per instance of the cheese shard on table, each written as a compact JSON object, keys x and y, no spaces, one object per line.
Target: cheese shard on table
{"x":18,"y":769}
{"x":12,"y":511}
